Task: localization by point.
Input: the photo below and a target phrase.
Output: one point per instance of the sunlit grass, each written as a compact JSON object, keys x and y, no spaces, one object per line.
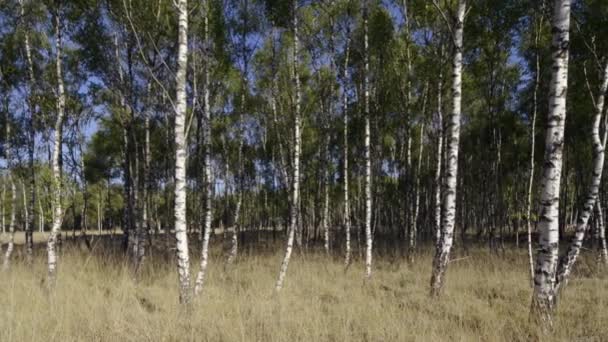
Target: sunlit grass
{"x":486,"y":298}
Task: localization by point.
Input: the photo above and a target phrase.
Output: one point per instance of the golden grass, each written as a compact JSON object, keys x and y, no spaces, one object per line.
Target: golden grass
{"x":486,"y":299}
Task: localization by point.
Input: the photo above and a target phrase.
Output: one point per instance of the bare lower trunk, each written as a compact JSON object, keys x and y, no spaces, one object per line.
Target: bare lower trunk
{"x":234,"y":238}
{"x":346,"y":213}
{"x":366,"y":148}
{"x":295,"y":197}
{"x":414,"y":229}
{"x":326,"y":211}
{"x":31,"y":145}
{"x":200,"y":278}
{"x":11,"y":225}
{"x":532,"y":155}
{"x":442,"y":252}
{"x":602,"y":253}
{"x":548,"y":225}
{"x":181,"y":232}
{"x":437,"y":178}
{"x":55,"y":158}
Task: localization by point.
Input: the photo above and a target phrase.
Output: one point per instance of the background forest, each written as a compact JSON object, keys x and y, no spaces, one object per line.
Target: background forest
{"x":375,"y":141}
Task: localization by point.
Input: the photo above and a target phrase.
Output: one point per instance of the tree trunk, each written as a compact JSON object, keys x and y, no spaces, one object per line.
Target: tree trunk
{"x":200,"y":278}
{"x":602,"y":253}
{"x":414,"y":229}
{"x":56,"y":156}
{"x":548,"y":225}
{"x":599,"y":143}
{"x":366,"y":147}
{"x":437,"y":179}
{"x":532,"y":153}
{"x":181,"y":233}
{"x":295,"y":197}
{"x":11,"y":223}
{"x":346,"y":213}
{"x":31,"y":145}
{"x":442,"y":252}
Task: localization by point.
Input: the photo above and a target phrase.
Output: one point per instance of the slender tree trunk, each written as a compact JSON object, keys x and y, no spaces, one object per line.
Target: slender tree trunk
{"x":442,"y":252}
{"x":11,"y":223}
{"x":548,"y":225}
{"x":567,"y":262}
{"x":56,"y":156}
{"x":437,"y":179}
{"x":366,"y":147}
{"x":326,"y":203}
{"x":414,"y":229}
{"x":206,"y":130}
{"x":295,"y":197}
{"x":31,"y":144}
{"x":41,"y":213}
{"x":3,"y":202}
{"x":346,"y":208}
{"x":181,"y":233}
{"x":602,"y":253}
{"x":532,"y":153}
{"x":144,"y":228}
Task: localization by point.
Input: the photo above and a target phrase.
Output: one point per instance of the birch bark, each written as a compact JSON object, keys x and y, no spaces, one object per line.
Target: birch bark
{"x":442,"y":252}
{"x":366,"y":147}
{"x":181,"y":233}
{"x":200,"y":278}
{"x":295,"y":197}
{"x":56,"y":155}
{"x":567,"y":262}
{"x":548,"y":241}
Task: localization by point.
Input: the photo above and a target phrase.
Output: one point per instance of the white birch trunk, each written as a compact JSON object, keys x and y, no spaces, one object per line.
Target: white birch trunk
{"x":295,"y":197}
{"x":3,"y":200}
{"x":42,"y":218}
{"x":200,"y":278}
{"x":532,"y":154}
{"x":31,"y":144}
{"x":325,"y":223}
{"x":366,"y":147}
{"x":548,"y":241}
{"x":11,"y":223}
{"x":414,"y":228}
{"x":437,"y":178}
{"x":602,"y":255}
{"x":442,"y":252}
{"x":567,"y":262}
{"x":181,"y":232}
{"x":346,"y":213}
{"x":57,"y":215}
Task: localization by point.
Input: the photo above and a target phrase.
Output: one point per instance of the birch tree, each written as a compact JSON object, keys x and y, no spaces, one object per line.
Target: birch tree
{"x":537,"y":29}
{"x":366,"y":146}
{"x":439,"y":158}
{"x":57,"y":215}
{"x":31,"y":143}
{"x":567,"y":262}
{"x":295,"y":178}
{"x":181,"y":231}
{"x":11,"y":223}
{"x":206,"y":156}
{"x":548,"y":230}
{"x":345,"y":174}
{"x":602,"y":253}
{"x":444,"y":245}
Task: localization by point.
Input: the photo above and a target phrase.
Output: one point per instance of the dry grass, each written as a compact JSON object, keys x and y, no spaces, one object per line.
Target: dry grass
{"x":486,"y":299}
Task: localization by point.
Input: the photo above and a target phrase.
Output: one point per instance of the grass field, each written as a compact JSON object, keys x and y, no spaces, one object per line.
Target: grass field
{"x":487,"y":298}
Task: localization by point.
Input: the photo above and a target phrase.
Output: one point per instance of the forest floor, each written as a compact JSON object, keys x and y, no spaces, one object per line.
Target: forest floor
{"x":486,"y":298}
